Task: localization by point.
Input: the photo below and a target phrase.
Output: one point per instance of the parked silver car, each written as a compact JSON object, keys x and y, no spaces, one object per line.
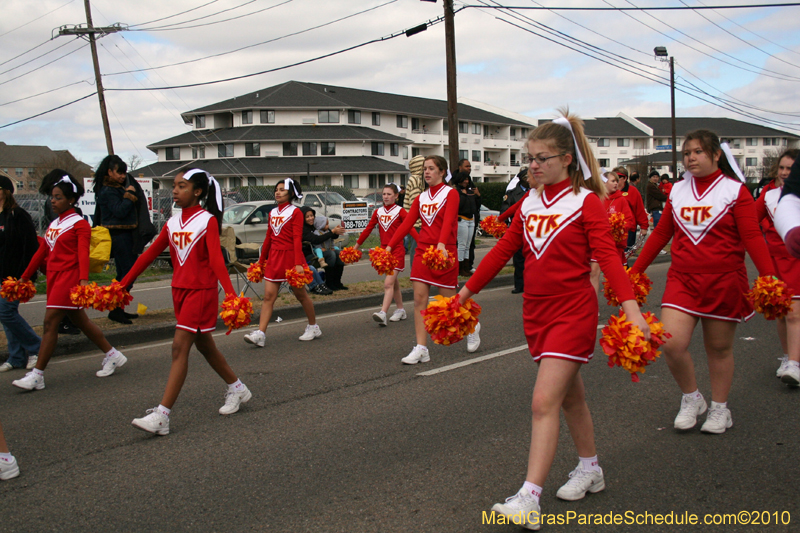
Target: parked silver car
{"x":249,"y":220}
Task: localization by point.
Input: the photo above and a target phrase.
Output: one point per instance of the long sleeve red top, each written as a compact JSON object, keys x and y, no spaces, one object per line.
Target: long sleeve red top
{"x":439,"y":222}
{"x":388,"y":219}
{"x":634,"y":198}
{"x":65,"y":246}
{"x":285,"y":232}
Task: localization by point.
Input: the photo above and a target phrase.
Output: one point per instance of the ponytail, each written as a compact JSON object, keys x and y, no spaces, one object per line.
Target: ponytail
{"x":209,"y":191}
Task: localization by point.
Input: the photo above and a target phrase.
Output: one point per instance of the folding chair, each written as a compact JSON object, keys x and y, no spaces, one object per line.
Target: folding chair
{"x":228,"y":241}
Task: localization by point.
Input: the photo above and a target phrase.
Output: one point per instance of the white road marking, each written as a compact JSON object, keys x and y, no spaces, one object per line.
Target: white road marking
{"x":473,"y":361}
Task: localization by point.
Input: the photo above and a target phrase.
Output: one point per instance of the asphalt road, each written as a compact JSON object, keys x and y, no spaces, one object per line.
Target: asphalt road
{"x":340,"y":437}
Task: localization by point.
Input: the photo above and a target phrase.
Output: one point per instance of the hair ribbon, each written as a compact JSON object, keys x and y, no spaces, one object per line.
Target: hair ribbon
{"x":211,"y":181}
{"x":562,"y":121}
{"x":289,"y":182}
{"x":66,"y":179}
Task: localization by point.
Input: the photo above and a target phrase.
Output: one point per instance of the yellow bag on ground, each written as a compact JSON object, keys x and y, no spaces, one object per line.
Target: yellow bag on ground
{"x":99,"y":249}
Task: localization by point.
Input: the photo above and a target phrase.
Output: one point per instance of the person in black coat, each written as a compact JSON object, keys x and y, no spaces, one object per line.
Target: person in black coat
{"x":18,"y":243}
{"x":517,"y":188}
{"x":335,"y":266}
{"x":469,"y":208}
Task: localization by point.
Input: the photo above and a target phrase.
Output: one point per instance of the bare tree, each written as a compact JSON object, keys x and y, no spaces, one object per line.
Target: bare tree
{"x":134,"y":162}
{"x":65,"y":161}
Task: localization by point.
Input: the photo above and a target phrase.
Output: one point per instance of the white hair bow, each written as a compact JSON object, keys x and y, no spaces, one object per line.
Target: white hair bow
{"x":66,"y":179}
{"x":211,"y":181}
{"x":289,"y":182}
{"x":562,"y":121}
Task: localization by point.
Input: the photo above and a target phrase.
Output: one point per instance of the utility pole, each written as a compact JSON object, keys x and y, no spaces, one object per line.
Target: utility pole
{"x":452,"y":93}
{"x":90,"y":30}
{"x":672,"y":94}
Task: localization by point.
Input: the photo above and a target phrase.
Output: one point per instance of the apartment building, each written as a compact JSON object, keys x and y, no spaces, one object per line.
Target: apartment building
{"x":26,"y":165}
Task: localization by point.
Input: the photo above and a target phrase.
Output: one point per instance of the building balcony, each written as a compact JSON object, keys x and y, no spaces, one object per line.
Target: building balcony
{"x":430,"y":137}
{"x":499,"y":142}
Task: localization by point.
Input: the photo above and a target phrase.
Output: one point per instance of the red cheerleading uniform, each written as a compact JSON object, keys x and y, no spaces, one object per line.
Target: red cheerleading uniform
{"x":788,"y":267}
{"x":558,"y":231}
{"x":634,"y":198}
{"x":283,"y":245}
{"x":388,"y":219}
{"x":193,"y":240}
{"x":616,"y":203}
{"x":713,"y":221}
{"x":65,"y":248}
{"x":437,"y":207}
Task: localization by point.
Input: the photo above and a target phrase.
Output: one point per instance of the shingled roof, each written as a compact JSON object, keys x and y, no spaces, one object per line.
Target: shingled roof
{"x":725,"y":127}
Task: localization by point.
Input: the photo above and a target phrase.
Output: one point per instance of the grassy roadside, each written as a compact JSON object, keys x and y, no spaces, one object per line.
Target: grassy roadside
{"x":108,"y":275}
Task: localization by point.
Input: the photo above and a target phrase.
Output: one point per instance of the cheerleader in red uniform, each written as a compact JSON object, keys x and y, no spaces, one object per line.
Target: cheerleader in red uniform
{"x":65,"y":250}
{"x":788,"y":269}
{"x":388,"y":218}
{"x":560,"y":226}
{"x":614,"y":202}
{"x":193,"y":240}
{"x":283,"y":250}
{"x":711,"y":220}
{"x":437,"y":207}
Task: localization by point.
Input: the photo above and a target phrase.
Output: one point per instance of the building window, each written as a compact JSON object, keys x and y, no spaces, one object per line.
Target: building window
{"x":402,"y":121}
{"x":289,"y":149}
{"x":329,"y":116}
{"x":376,"y":118}
{"x":252,"y":149}
{"x":308,"y":149}
{"x":20,"y":184}
{"x":770,"y":141}
{"x":377,"y":181}
{"x":224,"y":150}
{"x":200,"y":121}
{"x":476,"y":156}
{"x":405,"y":152}
{"x":31,"y":171}
{"x":327,"y":148}
{"x":513,"y":133}
{"x":463,"y":127}
{"x":476,"y":129}
{"x":394,"y":149}
{"x":524,"y":132}
{"x":173,"y":154}
{"x":268,"y":116}
{"x":605,"y":163}
{"x":377,"y":148}
{"x":18,"y":171}
{"x":254,"y":181}
{"x":751,"y":141}
{"x":350,"y":181}
{"x":622,"y":143}
{"x":463,"y":154}
{"x":32,"y":184}
{"x":198,"y":152}
{"x":445,"y":125}
{"x":751,"y":162}
{"x":487,"y":158}
{"x":353,"y":116}
{"x":403,"y":180}
{"x":234,"y":182}
{"x":603,"y":142}
{"x":414,"y":124}
{"x":414,"y":152}
{"x":247,"y":117}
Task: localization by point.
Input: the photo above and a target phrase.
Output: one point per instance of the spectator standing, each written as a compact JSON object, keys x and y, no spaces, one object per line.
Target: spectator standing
{"x":464,"y":166}
{"x":634,"y":198}
{"x":655,"y":197}
{"x":517,"y":188}
{"x":17,"y":245}
{"x":415,"y":186}
{"x":469,"y":207}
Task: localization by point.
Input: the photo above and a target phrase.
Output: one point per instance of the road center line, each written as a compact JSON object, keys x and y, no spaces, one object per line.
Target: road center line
{"x":473,"y":361}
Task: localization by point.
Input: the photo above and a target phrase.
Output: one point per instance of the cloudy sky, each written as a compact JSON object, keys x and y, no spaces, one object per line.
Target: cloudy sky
{"x":750,"y":58}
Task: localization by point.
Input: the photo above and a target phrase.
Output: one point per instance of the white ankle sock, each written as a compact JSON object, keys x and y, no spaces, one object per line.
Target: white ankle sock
{"x":794,"y":363}
{"x":694,"y":395}
{"x":7,"y":457}
{"x":719,"y":405}
{"x":535,"y":490}
{"x":236,"y":386}
{"x":422,"y":347}
{"x":590,"y":464}
{"x":38,"y":372}
{"x":111,"y":352}
{"x":163,"y":410}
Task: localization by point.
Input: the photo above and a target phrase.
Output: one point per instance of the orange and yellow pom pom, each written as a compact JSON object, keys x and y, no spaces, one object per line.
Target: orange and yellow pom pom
{"x":771,"y":297}
{"x":298,"y":280}
{"x":617,"y":221}
{"x":350,"y":255}
{"x":255,"y":272}
{"x":640,"y":282}
{"x":382,"y":261}
{"x":110,"y":297}
{"x":17,"y":290}
{"x":83,"y":295}
{"x":492,"y":226}
{"x":236,"y":311}
{"x":625,"y":344}
{"x":448,"y":321}
{"x":435,"y":259}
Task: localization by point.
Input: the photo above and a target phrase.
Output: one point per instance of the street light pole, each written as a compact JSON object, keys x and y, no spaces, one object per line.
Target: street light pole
{"x":452,"y":93}
{"x":661,"y":55}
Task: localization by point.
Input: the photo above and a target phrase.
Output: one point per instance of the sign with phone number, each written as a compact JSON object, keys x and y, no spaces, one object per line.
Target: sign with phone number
{"x":355,"y":216}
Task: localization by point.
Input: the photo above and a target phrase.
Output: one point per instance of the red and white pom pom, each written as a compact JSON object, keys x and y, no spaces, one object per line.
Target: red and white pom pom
{"x":492,"y":226}
{"x":435,"y":259}
{"x":382,"y":261}
{"x":350,"y":255}
{"x":640,"y":283}
{"x":617,"y":221}
{"x":298,"y":280}
{"x":771,"y":297}
{"x":625,"y":344}
{"x":83,"y":295}
{"x":255,"y":272}
{"x":447,"y":320}
{"x":110,"y":297}
{"x":236,"y":311}
{"x":17,"y":290}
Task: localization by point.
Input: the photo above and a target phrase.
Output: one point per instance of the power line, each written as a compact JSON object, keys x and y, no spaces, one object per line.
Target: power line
{"x":35,"y":58}
{"x":90,"y":80}
{"x":48,"y":111}
{"x":175,"y":15}
{"x":170,"y":27}
{"x":37,"y":18}
{"x":653,"y":8}
{"x":44,"y":65}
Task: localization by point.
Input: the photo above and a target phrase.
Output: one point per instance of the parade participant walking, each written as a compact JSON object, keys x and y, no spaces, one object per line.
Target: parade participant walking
{"x":18,"y":243}
{"x":65,"y":250}
{"x":711,"y":219}
{"x":560,"y":226}
{"x":634,"y":197}
{"x":283,"y":250}
{"x":614,"y":203}
{"x":9,"y":468}
{"x":437,"y":207}
{"x":388,"y":218}
{"x":194,"y":247}
{"x":788,"y":269}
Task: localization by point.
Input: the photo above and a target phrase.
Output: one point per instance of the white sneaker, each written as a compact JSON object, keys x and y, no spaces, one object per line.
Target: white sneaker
{"x":474,"y":339}
{"x":9,"y":469}
{"x":5,"y":367}
{"x":781,"y":369}
{"x":154,"y":422}
{"x":690,"y":408}
{"x":792,"y":375}
{"x":312,"y":332}
{"x":580,"y":481}
{"x":521,"y":509}
{"x":718,"y":419}
{"x":234,"y":399}
{"x":419,"y":354}
{"x":380,"y":318}
{"x":256,"y":337}
{"x":111,"y":363}
{"x":32,"y":360}
{"x":398,"y":315}
{"x":30,"y":382}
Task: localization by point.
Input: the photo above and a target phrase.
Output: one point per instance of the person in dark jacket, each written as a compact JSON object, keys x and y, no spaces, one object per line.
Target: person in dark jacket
{"x":116,"y":210}
{"x":335,"y":266}
{"x":469,"y":208}
{"x":655,"y":197}
{"x":18,"y":243}
{"x":517,"y":188}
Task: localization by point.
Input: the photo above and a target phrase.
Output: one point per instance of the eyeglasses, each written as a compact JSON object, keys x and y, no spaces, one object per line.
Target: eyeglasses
{"x":528,"y":159}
